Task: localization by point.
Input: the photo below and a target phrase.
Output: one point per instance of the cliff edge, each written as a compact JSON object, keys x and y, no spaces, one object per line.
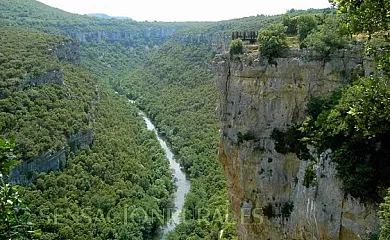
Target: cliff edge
{"x":266,"y":190}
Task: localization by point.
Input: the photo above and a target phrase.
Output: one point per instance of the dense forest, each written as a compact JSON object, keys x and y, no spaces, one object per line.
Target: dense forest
{"x":41,"y":116}
{"x":106,"y":188}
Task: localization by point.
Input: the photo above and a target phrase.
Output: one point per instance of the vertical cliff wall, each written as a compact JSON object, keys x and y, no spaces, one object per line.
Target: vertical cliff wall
{"x":266,"y":188}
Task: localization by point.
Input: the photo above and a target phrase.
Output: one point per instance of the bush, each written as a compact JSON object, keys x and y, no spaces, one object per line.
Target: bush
{"x":328,"y":38}
{"x":289,"y":141}
{"x":287,"y":208}
{"x":291,"y":25}
{"x":384,"y":215}
{"x":272,"y":41}
{"x":355,"y":125}
{"x":309,"y":176}
{"x":306,"y":24}
{"x":236,"y":46}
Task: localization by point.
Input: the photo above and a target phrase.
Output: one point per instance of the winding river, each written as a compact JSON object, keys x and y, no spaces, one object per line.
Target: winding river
{"x":181,"y":182}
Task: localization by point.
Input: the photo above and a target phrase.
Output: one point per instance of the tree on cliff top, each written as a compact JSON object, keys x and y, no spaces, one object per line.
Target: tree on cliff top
{"x":272,"y":41}
{"x":236,"y":46}
{"x":306,"y":24}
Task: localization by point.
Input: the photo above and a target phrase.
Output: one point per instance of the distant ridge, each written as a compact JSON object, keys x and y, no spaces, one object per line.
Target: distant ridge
{"x":105,"y":16}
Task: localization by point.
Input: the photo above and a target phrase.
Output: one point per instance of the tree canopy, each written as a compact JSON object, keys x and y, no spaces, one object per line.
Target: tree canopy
{"x":365,"y":15}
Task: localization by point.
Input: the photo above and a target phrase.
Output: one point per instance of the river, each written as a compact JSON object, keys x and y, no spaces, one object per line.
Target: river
{"x":181,"y":182}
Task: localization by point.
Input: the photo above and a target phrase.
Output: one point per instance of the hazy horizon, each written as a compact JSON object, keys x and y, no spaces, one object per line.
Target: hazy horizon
{"x":179,"y":11}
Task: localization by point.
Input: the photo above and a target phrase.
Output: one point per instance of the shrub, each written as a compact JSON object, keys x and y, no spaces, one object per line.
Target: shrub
{"x":272,"y":41}
{"x":289,"y":141}
{"x":287,"y":208}
{"x":384,"y":215}
{"x":269,"y":211}
{"x":355,"y":125}
{"x":328,"y":38}
{"x":291,"y":25}
{"x":306,"y":24}
{"x":236,"y":46}
{"x":309,"y":176}
{"x":248,"y":136}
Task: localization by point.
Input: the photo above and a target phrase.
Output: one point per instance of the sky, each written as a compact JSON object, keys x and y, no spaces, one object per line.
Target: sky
{"x":175,"y":10}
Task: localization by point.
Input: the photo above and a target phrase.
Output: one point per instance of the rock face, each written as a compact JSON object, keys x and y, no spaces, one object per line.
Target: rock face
{"x":51,"y":160}
{"x":67,"y":52}
{"x":219,"y":41}
{"x":54,"y":77}
{"x":266,"y":190}
{"x":134,"y":38}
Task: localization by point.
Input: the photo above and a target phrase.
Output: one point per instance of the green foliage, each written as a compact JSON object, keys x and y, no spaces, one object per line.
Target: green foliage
{"x":309,"y":176}
{"x":384,"y":215}
{"x":41,"y":118}
{"x":289,"y":141}
{"x":362,"y":111}
{"x":291,"y":24}
{"x":355,"y":125}
{"x":328,"y":37}
{"x":318,"y":105}
{"x":306,"y":25}
{"x":379,"y":49}
{"x":236,"y":47}
{"x":35,"y":15}
{"x":13,"y":219}
{"x":125,"y":169}
{"x":365,"y":15}
{"x":7,"y":160}
{"x":176,"y":89}
{"x":287,"y":208}
{"x":272,"y":41}
{"x":112,"y":189}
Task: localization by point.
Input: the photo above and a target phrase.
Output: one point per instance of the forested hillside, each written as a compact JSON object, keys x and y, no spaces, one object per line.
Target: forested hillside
{"x":33,"y":14}
{"x":105,"y":191}
{"x":165,"y":68}
{"x":44,"y":100}
{"x":176,"y":89}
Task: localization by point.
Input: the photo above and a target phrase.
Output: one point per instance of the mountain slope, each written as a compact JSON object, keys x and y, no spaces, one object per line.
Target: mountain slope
{"x":44,"y":100}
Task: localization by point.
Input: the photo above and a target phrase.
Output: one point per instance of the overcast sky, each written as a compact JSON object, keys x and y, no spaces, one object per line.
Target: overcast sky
{"x":175,"y":10}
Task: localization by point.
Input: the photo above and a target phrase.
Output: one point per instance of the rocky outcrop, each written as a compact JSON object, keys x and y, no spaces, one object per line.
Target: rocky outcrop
{"x":219,"y":41}
{"x":81,"y":140}
{"x":23,"y":174}
{"x":67,"y":52}
{"x":135,"y":38}
{"x":50,"y":161}
{"x":266,"y":190}
{"x":53,"y":77}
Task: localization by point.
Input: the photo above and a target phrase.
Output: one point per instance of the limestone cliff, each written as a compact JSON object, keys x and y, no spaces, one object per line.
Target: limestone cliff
{"x":135,"y":38}
{"x":53,"y":160}
{"x":67,"y":52}
{"x":266,"y":188}
{"x":50,"y":77}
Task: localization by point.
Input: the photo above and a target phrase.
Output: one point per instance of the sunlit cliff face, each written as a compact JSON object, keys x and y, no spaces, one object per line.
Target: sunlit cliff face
{"x":266,"y":189}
